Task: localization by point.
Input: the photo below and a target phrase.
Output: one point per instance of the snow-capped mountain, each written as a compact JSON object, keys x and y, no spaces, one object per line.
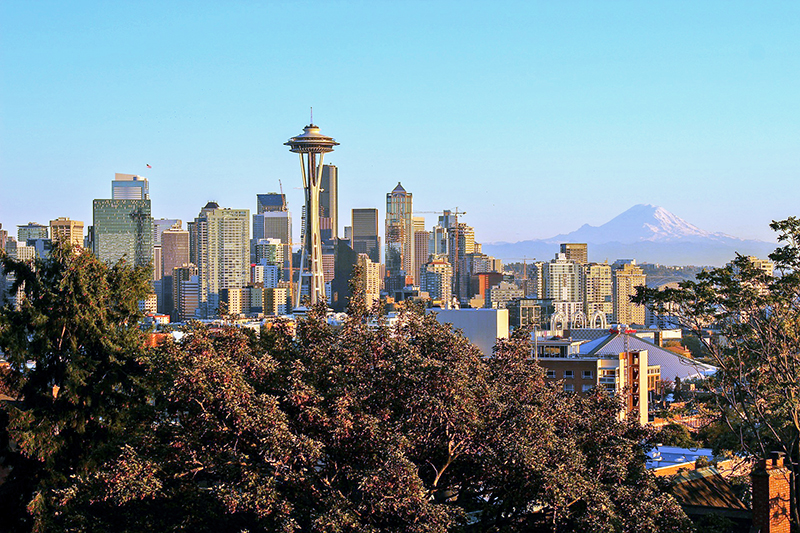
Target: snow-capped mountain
{"x":641,"y":222}
{"x":646,"y":233}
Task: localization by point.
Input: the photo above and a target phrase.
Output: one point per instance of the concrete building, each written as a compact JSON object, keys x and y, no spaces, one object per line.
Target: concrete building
{"x":502,"y":293}
{"x":399,"y":231}
{"x":598,"y":293}
{"x":365,"y":238}
{"x":31,"y":231}
{"x":277,"y":225}
{"x":174,"y":253}
{"x":577,"y":252}
{"x":460,"y":243}
{"x":562,"y":279}
{"x":64,"y":229}
{"x":371,"y":280}
{"x":437,"y":281}
{"x":123,"y":228}
{"x":481,"y":326}
{"x":129,"y":187}
{"x":185,"y":293}
{"x":223,"y":237}
{"x":626,"y":276}
{"x":421,"y":255}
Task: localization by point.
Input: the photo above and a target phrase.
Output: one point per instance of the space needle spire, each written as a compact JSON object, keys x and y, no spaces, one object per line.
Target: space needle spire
{"x":310,"y":144}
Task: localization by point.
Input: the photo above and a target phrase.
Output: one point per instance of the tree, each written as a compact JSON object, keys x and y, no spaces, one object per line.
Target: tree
{"x":757,"y":385}
{"x":364,"y":427}
{"x":73,"y":372}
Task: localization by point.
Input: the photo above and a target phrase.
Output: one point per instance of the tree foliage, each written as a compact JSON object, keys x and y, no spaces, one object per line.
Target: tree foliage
{"x":362,"y":427}
{"x":757,"y":316}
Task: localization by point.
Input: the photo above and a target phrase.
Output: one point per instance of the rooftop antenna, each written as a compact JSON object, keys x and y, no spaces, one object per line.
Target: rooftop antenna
{"x":312,"y":115}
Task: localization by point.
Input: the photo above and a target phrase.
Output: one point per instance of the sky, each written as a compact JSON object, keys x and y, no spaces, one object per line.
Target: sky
{"x":532,"y":117}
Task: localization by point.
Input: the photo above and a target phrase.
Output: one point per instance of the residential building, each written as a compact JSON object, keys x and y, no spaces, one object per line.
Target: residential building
{"x":223,"y":237}
{"x":31,"y":230}
{"x":577,"y":252}
{"x":598,"y":293}
{"x":626,"y":276}
{"x":562,"y":279}
{"x":502,"y":293}
{"x":372,"y":278}
{"x":437,"y":280}
{"x":185,"y":293}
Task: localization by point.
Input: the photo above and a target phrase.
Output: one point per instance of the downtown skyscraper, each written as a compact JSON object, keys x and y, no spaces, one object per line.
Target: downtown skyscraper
{"x":221,"y":242}
{"x":122,"y":227}
{"x":399,"y":232}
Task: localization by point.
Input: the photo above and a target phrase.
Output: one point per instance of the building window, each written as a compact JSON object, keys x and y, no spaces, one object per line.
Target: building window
{"x":569,"y":387}
{"x":587,"y":374}
{"x":569,"y":374}
{"x":587,"y":388}
{"x":551,"y":374}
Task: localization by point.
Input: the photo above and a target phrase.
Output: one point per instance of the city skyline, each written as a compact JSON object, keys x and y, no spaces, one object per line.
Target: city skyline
{"x":685,"y":106}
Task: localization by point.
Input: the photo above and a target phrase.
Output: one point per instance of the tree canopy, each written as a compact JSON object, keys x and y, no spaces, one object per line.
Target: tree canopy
{"x":362,"y":427}
{"x":755,"y":318}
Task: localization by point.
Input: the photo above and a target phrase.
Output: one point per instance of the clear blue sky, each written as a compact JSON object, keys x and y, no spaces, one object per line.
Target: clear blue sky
{"x":534,"y":117}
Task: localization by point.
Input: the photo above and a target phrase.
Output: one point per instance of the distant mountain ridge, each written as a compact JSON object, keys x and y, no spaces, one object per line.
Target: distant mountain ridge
{"x":647,"y":233}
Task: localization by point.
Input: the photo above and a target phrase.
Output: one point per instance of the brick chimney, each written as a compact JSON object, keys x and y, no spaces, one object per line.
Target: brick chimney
{"x":771,"y":495}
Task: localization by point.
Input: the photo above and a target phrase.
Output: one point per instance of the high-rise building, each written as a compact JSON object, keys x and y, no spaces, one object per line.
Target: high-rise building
{"x":64,"y":229}
{"x":598,"y":291}
{"x":562,"y":280}
{"x":577,"y":252}
{"x":437,"y":281}
{"x":223,"y":237}
{"x":129,"y":187}
{"x":399,"y":231}
{"x":329,"y":203}
{"x":174,"y":253}
{"x":274,"y":225}
{"x":162,"y":224}
{"x":626,"y":276}
{"x":31,"y":230}
{"x":460,"y":243}
{"x":365,"y":236}
{"x":420,"y":240}
{"x":123,"y":228}
{"x":185,"y":293}
{"x":371,"y":279}
{"x":270,"y":202}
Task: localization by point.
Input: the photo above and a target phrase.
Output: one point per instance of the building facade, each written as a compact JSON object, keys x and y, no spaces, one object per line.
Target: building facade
{"x":223,"y":237}
{"x":399,"y":231}
{"x":123,"y":229}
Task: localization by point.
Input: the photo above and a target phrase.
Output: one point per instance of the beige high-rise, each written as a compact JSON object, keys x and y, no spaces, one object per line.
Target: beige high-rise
{"x":626,"y":277}
{"x":67,"y":230}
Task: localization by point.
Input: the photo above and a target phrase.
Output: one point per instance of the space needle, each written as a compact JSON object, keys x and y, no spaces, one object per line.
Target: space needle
{"x":311,"y":143}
